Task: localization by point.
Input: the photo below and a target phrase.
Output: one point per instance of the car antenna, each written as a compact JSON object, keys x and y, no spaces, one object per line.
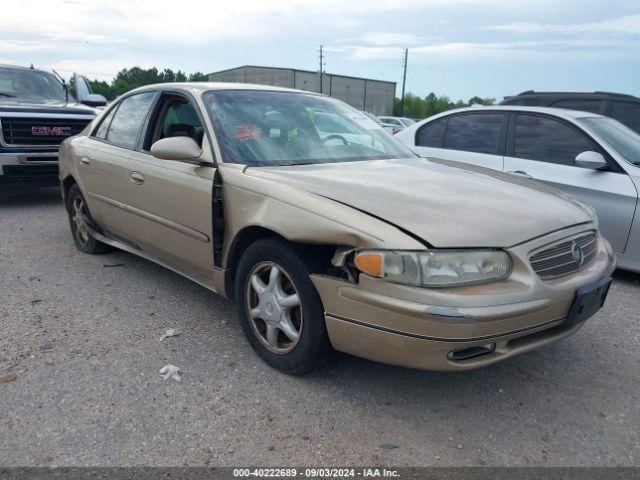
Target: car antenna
{"x":64,"y":84}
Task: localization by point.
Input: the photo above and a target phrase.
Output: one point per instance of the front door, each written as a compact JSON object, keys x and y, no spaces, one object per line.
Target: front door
{"x":545,"y":148}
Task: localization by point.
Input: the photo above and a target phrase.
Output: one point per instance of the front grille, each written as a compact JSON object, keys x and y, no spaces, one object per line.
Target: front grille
{"x":29,"y":175}
{"x":39,"y":131}
{"x":561,"y":259}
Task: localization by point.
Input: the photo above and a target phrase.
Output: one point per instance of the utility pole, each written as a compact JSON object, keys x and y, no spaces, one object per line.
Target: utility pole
{"x":321,"y":67}
{"x":404,"y":80}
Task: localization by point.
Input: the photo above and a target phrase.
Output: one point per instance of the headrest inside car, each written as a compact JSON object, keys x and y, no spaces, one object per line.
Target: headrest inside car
{"x":180,"y":130}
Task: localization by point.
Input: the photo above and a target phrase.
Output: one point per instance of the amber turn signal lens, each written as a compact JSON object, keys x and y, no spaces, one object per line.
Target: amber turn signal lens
{"x":370,"y":263}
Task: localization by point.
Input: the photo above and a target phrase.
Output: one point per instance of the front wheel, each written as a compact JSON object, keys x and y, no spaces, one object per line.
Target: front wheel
{"x":280,"y":310}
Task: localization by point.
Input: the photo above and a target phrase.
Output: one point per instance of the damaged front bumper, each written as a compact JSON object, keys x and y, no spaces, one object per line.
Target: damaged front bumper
{"x":451,"y":329}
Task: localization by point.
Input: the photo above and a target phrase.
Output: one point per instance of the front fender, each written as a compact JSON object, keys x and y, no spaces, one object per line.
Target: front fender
{"x":300,"y":216}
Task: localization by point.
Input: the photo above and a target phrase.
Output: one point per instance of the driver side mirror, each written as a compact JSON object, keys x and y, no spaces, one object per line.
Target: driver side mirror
{"x":94,"y":100}
{"x":592,"y":160}
{"x":176,"y":148}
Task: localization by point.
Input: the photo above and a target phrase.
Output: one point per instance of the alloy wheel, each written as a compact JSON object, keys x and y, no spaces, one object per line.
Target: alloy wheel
{"x":273,"y":307}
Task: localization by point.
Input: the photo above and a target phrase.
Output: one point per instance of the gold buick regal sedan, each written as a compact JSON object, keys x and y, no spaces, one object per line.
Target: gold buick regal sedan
{"x":328,"y":233}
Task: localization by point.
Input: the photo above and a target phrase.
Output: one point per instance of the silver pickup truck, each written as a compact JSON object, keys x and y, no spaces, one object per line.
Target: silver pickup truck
{"x":37,"y":112}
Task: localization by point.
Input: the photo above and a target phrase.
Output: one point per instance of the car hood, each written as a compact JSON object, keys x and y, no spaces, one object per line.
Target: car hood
{"x":44,"y":106}
{"x":445,"y":204}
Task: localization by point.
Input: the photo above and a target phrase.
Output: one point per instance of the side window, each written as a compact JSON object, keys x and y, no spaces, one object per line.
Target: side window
{"x":431,"y":134}
{"x":627,"y":113}
{"x":474,"y":132}
{"x":176,"y":117}
{"x":548,"y":140}
{"x":592,"y":106}
{"x":127,"y":121}
{"x":104,"y":124}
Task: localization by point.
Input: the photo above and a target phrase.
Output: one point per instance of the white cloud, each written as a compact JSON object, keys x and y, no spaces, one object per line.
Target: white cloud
{"x":479,"y":49}
{"x":100,"y":38}
{"x":386,"y":39}
{"x":629,"y":25}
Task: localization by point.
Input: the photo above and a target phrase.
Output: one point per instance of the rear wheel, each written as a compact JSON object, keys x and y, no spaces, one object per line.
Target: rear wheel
{"x":280,"y":310}
{"x":79,"y":221}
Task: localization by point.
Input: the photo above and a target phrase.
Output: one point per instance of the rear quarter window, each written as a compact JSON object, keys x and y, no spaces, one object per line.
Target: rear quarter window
{"x":104,"y":125}
{"x":431,"y":134}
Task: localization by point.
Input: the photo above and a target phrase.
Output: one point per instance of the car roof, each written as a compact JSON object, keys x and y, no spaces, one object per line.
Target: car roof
{"x":201,"y":87}
{"x":19,"y":67}
{"x":582,"y":95}
{"x":558,"y":112}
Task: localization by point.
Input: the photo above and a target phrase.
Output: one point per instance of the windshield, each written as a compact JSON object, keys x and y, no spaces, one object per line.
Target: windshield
{"x":407,"y":122}
{"x":30,"y":85}
{"x":623,"y":140}
{"x":267,"y":128}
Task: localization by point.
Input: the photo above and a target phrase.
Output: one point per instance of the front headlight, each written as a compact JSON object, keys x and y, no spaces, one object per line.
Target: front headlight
{"x":435,"y":268}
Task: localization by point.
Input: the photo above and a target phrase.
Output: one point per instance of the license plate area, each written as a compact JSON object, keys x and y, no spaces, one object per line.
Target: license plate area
{"x":589,"y":299}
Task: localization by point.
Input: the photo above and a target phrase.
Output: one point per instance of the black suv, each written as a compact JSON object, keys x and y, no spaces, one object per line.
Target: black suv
{"x":624,"y":108}
{"x":37,"y":112}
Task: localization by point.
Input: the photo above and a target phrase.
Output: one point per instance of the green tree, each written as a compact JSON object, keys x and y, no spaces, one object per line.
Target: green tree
{"x":418,"y":107}
{"x":134,"y":77}
{"x":198,"y":77}
{"x":103,"y":88}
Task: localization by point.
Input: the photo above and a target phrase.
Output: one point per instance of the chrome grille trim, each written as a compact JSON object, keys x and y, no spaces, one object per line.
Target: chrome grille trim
{"x":15,"y":130}
{"x":558,"y":258}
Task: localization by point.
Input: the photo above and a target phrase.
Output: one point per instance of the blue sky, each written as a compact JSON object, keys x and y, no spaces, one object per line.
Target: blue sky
{"x":458,"y":48}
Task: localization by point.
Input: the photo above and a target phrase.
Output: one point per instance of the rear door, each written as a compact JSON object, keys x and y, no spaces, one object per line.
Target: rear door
{"x":171,"y":200}
{"x":544,"y":148}
{"x":474,"y":137}
{"x":103,"y":164}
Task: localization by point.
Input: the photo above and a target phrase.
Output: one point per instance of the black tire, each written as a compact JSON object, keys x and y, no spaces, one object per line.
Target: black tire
{"x":313,"y":348}
{"x":85,"y":242}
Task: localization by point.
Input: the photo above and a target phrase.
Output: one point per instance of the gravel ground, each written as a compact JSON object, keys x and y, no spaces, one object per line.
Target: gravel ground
{"x":79,"y":382}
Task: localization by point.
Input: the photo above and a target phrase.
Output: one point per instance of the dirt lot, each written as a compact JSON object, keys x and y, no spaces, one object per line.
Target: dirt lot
{"x":79,"y":382}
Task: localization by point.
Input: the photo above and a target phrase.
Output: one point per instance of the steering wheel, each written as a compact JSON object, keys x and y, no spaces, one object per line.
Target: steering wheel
{"x":335,"y":136}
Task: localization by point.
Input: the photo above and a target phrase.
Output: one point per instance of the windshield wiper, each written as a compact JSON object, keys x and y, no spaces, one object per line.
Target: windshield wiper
{"x":5,"y":94}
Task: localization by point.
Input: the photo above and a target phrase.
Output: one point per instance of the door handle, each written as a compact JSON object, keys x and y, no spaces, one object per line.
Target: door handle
{"x":85,"y":160}
{"x":137,"y":178}
{"x":520,"y":173}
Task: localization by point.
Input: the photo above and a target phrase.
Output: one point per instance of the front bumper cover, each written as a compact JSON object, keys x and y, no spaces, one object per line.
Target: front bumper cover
{"x":418,"y":327}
